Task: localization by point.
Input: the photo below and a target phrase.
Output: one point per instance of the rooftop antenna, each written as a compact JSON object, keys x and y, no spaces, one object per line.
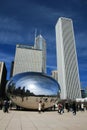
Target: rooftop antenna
{"x":35,"y":36}
{"x":40,"y":32}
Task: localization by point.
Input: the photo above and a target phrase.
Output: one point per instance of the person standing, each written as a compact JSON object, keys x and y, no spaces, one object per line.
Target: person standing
{"x":5,"y":106}
{"x":82,"y":107}
{"x":39,"y":107}
{"x":43,"y":106}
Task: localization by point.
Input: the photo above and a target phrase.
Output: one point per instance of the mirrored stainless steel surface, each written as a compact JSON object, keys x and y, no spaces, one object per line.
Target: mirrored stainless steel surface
{"x":27,"y":89}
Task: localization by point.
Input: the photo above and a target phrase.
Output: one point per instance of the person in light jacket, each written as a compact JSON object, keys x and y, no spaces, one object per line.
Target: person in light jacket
{"x":39,"y":107}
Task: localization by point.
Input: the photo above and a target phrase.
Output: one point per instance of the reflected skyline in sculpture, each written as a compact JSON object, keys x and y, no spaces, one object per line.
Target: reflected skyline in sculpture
{"x":27,"y":89}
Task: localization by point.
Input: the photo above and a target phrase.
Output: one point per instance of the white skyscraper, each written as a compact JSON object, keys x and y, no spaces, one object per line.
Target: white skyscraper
{"x":68,"y":74}
{"x":40,"y":43}
{"x":27,"y":59}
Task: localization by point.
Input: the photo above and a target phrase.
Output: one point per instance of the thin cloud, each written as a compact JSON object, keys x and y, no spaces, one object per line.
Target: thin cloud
{"x":52,"y":67}
{"x":10,"y":24}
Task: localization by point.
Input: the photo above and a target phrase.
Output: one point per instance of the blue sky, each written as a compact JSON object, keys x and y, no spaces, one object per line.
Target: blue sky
{"x":20,"y":18}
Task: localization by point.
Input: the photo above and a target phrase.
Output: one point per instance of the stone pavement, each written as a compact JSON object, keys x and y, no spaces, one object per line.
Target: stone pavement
{"x":49,"y":120}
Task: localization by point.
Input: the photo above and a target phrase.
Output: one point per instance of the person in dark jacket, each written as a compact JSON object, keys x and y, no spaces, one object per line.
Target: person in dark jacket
{"x":74,"y":107}
{"x":5,"y":106}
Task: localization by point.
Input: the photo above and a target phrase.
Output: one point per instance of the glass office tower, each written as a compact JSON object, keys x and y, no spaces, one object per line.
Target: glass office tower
{"x":40,"y":43}
{"x":68,"y":74}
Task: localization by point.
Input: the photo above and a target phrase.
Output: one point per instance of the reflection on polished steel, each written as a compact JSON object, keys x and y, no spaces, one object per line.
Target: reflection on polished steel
{"x":27,"y":89}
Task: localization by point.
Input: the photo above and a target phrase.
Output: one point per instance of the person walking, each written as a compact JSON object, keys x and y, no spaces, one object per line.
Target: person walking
{"x":74,"y":108}
{"x":60,"y":108}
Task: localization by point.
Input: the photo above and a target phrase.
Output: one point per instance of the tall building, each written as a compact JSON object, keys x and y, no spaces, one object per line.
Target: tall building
{"x":40,"y":43}
{"x":68,"y":74}
{"x":85,"y":91}
{"x":3,"y":74}
{"x":27,"y":59}
{"x":12,"y":67}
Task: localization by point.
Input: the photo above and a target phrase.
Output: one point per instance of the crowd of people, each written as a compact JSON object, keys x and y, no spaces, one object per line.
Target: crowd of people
{"x":6,"y":105}
{"x":62,"y":106}
{"x":71,"y":106}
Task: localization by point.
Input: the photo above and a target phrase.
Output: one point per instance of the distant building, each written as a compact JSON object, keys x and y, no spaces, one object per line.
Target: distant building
{"x":27,"y":59}
{"x":12,"y":67}
{"x":83,"y":94}
{"x":55,"y":75}
{"x":68,"y":73}
{"x":85,"y":91}
{"x":30,"y":58}
{"x":40,"y":43}
{"x":3,"y":74}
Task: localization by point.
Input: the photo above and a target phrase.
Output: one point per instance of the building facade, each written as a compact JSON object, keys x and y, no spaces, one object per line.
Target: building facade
{"x":12,"y":67}
{"x":68,"y":74}
{"x":40,"y":43}
{"x":27,"y":59}
{"x":3,"y":74}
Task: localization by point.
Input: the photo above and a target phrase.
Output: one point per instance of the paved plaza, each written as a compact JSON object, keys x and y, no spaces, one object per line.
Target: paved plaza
{"x":49,"y":120}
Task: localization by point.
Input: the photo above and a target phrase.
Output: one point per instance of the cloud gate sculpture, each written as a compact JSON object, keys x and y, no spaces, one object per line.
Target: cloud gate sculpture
{"x":29,"y":88}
